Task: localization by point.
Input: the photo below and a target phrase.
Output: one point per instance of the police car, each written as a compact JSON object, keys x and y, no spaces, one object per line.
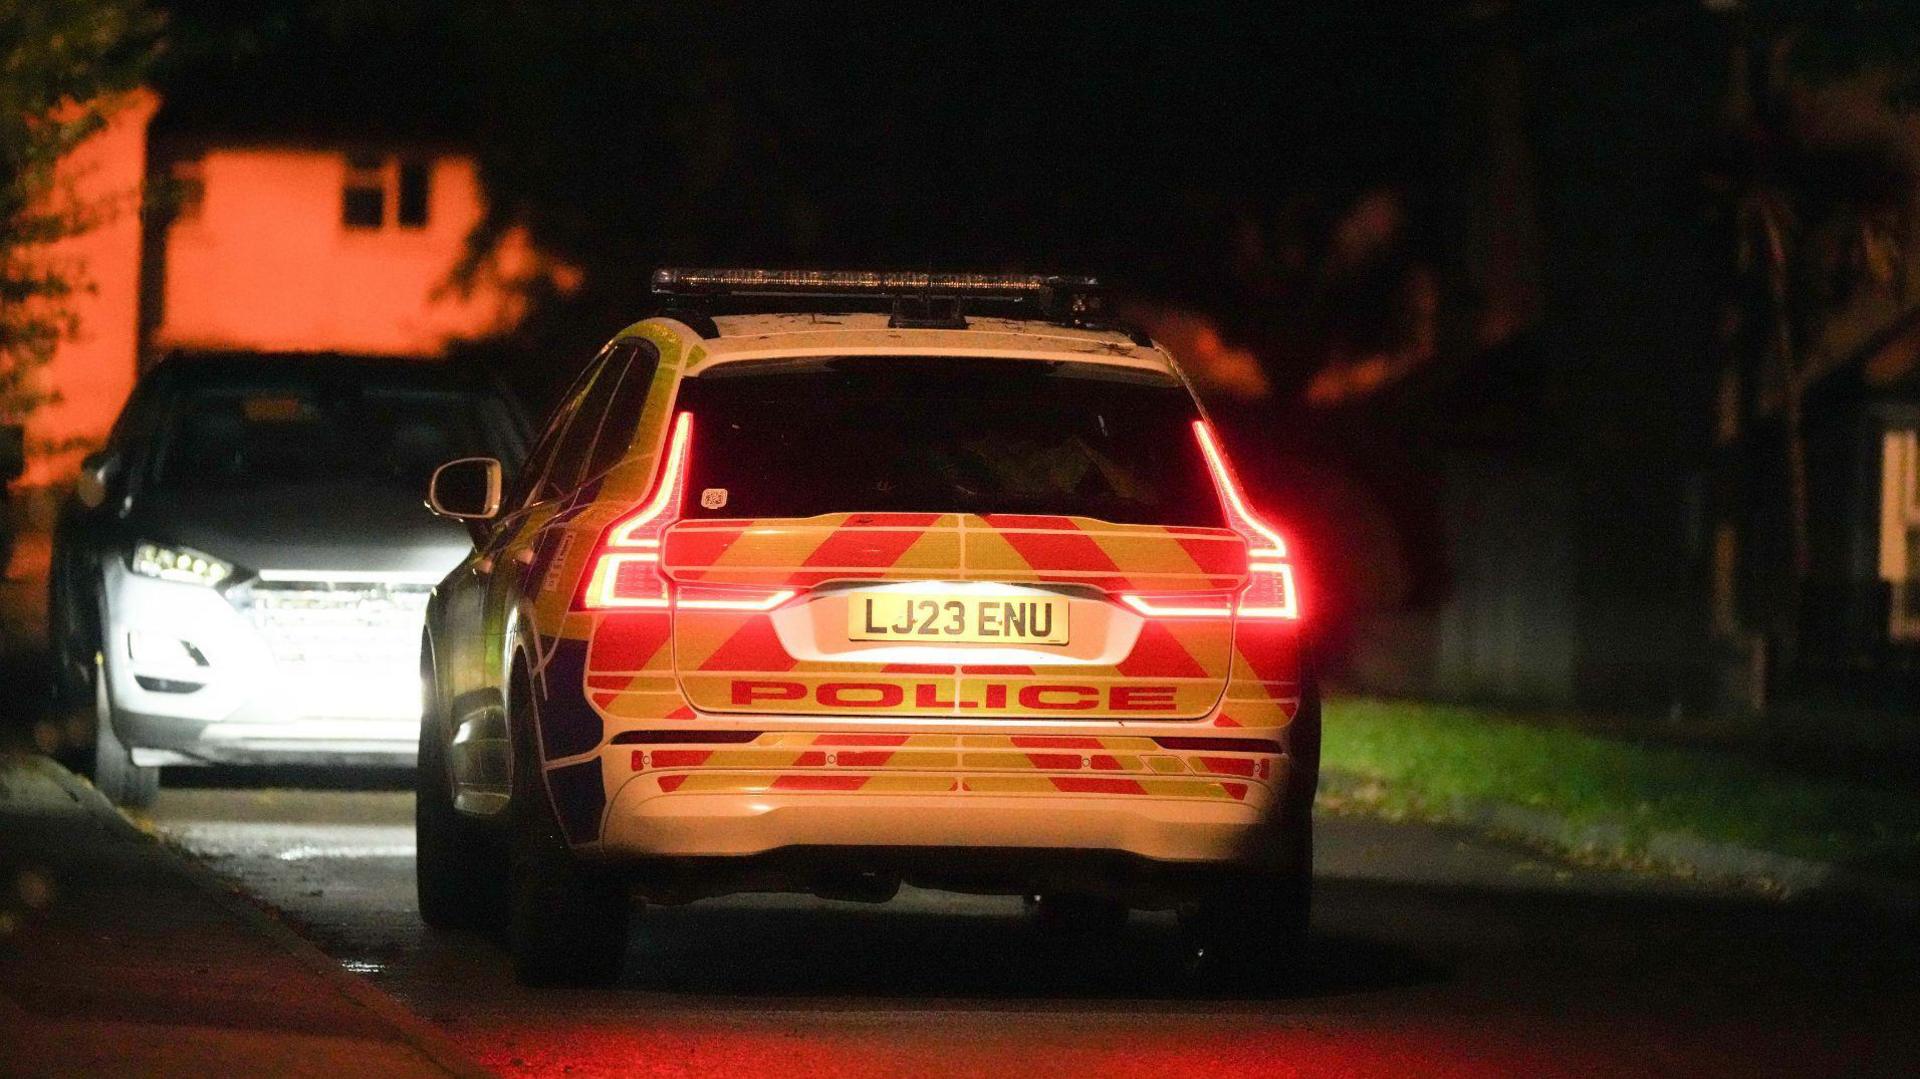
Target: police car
{"x":961,"y":592}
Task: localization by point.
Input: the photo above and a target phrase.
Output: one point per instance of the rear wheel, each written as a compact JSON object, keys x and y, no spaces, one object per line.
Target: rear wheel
{"x":460,"y":866}
{"x":114,"y":773}
{"x":568,"y":922}
{"x":1254,"y":930}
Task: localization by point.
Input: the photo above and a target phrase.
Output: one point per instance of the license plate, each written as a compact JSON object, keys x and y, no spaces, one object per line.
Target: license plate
{"x":901,"y":616}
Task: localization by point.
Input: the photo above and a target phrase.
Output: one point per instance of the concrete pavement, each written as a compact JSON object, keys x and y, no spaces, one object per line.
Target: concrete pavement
{"x":118,"y":957}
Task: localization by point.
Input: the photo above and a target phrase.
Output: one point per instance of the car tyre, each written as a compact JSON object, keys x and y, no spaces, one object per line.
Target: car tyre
{"x":1253,"y":932}
{"x":459,"y":864}
{"x":123,"y":782}
{"x":568,"y":922}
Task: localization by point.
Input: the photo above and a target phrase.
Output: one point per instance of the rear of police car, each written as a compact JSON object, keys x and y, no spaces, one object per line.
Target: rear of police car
{"x":980,"y":609}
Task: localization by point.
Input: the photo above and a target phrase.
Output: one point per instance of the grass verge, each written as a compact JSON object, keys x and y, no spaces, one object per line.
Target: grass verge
{"x":1426,"y":760}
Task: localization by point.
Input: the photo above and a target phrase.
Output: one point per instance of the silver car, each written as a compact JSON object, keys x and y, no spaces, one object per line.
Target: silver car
{"x":242,"y":573}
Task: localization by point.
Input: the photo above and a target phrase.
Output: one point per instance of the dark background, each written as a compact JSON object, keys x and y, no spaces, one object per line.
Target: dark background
{"x":1492,"y":260}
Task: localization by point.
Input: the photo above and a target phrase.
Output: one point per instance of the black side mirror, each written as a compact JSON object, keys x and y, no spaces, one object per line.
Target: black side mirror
{"x":467,"y":489}
{"x":96,"y":476}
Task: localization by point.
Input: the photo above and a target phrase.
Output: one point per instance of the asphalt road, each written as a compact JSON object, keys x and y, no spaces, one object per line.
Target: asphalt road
{"x":1436,"y":954}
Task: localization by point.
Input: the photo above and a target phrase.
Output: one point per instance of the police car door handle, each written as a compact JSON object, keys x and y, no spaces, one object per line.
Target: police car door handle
{"x":524,"y":556}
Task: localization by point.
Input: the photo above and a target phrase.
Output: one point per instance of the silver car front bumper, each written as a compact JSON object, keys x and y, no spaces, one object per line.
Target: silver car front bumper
{"x":292,"y":670}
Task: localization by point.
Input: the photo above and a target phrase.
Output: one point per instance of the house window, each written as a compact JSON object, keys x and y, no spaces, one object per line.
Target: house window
{"x":377,"y":181}
{"x":414,"y":174}
{"x":1900,"y":532}
{"x":364,"y":202}
{"x":383,"y":191}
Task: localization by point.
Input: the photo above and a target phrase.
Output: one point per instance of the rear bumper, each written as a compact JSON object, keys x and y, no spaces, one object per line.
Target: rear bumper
{"x":1185,"y":820}
{"x":748,"y":824}
{"x":873,"y":874}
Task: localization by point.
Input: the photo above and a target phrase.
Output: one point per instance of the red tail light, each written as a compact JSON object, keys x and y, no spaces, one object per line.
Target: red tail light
{"x":626,"y":566}
{"x":1269,"y":591}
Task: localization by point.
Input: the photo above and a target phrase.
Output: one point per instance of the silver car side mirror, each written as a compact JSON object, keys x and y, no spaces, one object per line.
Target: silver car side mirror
{"x":96,"y":473}
{"x":467,"y":489}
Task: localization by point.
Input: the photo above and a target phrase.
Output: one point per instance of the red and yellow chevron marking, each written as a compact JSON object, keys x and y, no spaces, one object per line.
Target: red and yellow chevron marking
{"x":760,"y":783}
{"x":632,"y":641}
{"x":763,"y":783}
{"x":956,"y":763}
{"x":1106,"y":786}
{"x":1263,"y":689}
{"x":955,"y":547}
{"x":1242,"y":676}
{"x":1176,"y":667}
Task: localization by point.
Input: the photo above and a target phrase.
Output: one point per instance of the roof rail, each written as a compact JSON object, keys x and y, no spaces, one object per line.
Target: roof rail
{"x":919,"y":300}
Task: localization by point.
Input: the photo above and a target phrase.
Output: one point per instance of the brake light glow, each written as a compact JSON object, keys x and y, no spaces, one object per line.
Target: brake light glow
{"x":732,"y":599}
{"x":1269,"y":591}
{"x":626,"y":568}
{"x":1205,"y":605}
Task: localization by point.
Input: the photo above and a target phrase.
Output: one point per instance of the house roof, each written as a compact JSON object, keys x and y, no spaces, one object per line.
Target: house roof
{"x":232,"y":72}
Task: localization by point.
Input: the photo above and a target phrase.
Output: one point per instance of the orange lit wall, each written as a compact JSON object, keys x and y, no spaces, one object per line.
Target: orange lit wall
{"x":266,"y":262}
{"x":94,"y":370}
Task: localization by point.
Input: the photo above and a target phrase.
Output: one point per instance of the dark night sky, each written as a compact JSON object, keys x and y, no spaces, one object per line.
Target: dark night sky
{"x":1121,"y":140}
{"x":1209,"y":155}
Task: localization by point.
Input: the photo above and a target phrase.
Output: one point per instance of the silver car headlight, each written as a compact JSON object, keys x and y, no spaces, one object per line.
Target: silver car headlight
{"x":182,"y":564}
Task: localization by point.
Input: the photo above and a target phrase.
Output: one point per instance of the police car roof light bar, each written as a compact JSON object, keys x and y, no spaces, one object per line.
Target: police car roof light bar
{"x":1069,"y":299}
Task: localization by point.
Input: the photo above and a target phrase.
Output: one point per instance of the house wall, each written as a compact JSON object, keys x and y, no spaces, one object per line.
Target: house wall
{"x":1885,"y":547}
{"x":263,"y":262}
{"x":93,"y":371}
{"x":266,"y":262}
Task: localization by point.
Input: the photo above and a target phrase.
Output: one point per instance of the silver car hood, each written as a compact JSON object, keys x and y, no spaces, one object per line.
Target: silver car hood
{"x":328,"y":528}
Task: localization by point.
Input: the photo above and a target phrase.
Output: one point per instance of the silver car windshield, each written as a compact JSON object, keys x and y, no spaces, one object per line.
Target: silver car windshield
{"x":318,"y":430}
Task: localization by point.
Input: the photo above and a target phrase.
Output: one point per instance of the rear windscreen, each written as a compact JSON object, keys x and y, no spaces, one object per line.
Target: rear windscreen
{"x":940,"y":435}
